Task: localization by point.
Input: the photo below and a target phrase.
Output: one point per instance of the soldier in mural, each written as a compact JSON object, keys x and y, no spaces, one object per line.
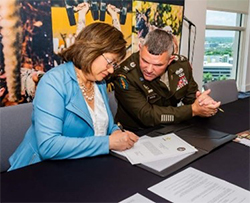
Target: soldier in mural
{"x":151,"y":15}
{"x":75,"y":15}
{"x":49,"y":26}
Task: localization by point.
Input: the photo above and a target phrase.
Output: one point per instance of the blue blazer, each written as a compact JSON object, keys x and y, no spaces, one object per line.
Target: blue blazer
{"x":61,"y":126}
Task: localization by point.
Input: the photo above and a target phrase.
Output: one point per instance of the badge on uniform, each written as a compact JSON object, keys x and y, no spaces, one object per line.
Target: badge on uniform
{"x":123,"y":82}
{"x":182,"y":82}
{"x":132,"y":64}
{"x":126,"y":68}
{"x":179,"y":71}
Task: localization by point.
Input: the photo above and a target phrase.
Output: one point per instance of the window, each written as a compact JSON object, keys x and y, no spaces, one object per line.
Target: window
{"x":222,"y":45}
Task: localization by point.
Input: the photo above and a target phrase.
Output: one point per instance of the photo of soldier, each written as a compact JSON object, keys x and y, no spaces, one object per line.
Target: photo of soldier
{"x":69,"y":17}
{"x":149,"y":15}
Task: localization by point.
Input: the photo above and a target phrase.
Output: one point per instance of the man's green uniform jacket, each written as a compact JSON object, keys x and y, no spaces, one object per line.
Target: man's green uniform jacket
{"x":143,"y":104}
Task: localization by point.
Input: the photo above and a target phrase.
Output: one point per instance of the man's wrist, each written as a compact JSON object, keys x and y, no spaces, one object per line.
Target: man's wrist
{"x":193,"y":110}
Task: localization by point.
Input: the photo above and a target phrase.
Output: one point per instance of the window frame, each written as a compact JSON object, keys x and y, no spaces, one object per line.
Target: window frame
{"x":240,"y":29}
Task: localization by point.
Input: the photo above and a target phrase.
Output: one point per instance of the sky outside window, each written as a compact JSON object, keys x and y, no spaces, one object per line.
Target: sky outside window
{"x":221,"y":18}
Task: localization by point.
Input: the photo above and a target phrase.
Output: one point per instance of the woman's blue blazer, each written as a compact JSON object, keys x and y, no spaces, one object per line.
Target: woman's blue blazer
{"x":61,"y":126}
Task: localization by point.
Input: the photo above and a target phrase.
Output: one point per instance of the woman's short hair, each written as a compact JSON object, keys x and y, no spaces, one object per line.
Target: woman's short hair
{"x":94,"y":40}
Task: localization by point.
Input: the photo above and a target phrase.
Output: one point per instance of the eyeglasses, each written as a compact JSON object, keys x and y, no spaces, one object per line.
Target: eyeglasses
{"x":111,"y":63}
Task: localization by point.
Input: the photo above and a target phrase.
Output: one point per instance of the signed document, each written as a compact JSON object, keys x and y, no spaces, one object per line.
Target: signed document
{"x":194,"y":186}
{"x":157,"y":148}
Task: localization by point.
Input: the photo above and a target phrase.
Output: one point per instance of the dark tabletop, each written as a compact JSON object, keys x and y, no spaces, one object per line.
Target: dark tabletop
{"x":110,"y":179}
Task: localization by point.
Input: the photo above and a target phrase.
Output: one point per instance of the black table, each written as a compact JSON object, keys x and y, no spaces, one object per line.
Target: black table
{"x":110,"y":179}
{"x":235,"y":119}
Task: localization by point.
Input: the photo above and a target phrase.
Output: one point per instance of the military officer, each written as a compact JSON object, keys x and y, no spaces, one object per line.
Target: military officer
{"x":154,"y":86}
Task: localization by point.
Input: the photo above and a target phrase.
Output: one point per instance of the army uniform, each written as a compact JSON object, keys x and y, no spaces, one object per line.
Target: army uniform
{"x":143,"y":103}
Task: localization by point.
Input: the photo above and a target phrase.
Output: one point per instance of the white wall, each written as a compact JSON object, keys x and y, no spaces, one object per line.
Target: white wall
{"x":195,"y":11}
{"x":238,"y":6}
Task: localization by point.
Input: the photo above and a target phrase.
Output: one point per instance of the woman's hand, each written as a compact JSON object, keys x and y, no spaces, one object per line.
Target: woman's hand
{"x":120,"y":141}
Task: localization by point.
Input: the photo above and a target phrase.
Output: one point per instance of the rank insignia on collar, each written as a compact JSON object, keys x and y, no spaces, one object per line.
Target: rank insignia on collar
{"x":183,"y":58}
{"x":132,"y":64}
{"x":141,"y":79}
{"x":123,"y":83}
{"x":176,"y":58}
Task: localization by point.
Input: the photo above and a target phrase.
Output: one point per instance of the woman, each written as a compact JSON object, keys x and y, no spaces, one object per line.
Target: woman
{"x":71,"y":117}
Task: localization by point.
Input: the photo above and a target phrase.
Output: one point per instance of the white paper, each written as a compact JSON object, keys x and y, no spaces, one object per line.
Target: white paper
{"x":243,"y":141}
{"x":152,"y":149}
{"x":122,"y":152}
{"x":162,"y":164}
{"x":194,"y":186}
{"x":137,"y":198}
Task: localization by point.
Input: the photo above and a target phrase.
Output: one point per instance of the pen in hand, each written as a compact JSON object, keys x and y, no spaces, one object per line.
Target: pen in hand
{"x":120,"y":126}
{"x":221,"y":110}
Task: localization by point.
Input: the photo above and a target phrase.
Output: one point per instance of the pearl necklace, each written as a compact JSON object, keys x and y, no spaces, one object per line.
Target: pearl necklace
{"x":86,"y":91}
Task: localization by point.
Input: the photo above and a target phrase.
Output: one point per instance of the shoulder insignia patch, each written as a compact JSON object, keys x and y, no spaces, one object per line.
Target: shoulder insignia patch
{"x":123,"y":82}
{"x":121,"y":75}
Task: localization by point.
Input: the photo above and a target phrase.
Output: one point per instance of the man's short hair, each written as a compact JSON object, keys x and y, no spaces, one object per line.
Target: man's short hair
{"x":159,"y":41}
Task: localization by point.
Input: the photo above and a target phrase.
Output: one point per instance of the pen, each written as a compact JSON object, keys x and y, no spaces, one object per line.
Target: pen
{"x":221,"y":110}
{"x":120,"y":126}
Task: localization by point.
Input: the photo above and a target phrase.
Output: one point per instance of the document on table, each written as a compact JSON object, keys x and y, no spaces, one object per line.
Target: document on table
{"x":194,"y":186}
{"x":162,"y":164}
{"x":136,"y":198}
{"x":157,"y":148}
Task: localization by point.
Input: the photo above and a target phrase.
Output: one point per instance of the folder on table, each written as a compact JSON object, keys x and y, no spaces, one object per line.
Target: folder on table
{"x":203,"y":139}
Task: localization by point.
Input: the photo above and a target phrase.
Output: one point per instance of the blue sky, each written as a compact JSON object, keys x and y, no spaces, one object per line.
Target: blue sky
{"x":220,"y":18}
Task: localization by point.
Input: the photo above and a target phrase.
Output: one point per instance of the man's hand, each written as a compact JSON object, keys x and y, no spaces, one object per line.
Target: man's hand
{"x":204,"y":105}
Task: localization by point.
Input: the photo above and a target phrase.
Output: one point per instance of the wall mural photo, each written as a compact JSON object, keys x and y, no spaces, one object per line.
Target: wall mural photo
{"x":26,"y":48}
{"x":33,"y":32}
{"x":149,"y":15}
{"x":70,"y":17}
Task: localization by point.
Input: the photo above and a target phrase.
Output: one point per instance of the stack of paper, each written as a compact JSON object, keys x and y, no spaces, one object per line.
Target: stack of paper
{"x":159,"y":152}
{"x":194,"y":186}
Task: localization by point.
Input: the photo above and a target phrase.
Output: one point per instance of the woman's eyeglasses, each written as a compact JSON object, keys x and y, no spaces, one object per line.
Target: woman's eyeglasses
{"x":111,"y":63}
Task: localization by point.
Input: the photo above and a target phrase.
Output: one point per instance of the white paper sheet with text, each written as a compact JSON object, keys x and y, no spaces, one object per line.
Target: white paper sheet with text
{"x":165,"y":146}
{"x":136,"y":198}
{"x":194,"y":186}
